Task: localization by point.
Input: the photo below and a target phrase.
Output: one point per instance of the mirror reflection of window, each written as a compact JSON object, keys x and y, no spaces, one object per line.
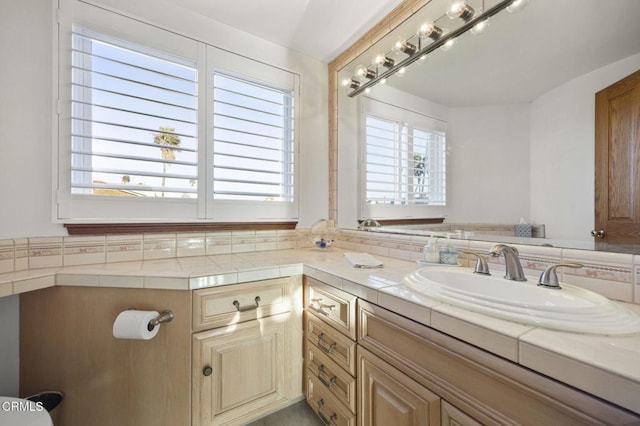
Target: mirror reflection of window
{"x":404,"y":157}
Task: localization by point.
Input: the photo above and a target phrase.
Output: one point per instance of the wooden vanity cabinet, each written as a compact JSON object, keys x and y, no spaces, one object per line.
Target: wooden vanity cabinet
{"x":405,"y":366}
{"x":247,"y":351}
{"x":214,"y":364}
{"x":330,"y":352}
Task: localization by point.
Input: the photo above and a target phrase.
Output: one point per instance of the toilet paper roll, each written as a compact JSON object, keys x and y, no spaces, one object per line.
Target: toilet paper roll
{"x":133,"y":324}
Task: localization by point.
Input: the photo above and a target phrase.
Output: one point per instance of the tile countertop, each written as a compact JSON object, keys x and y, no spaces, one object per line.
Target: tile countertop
{"x":608,"y":367}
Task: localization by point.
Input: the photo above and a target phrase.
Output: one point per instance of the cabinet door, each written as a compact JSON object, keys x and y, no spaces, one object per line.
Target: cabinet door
{"x":389,"y":397}
{"x":239,"y":371}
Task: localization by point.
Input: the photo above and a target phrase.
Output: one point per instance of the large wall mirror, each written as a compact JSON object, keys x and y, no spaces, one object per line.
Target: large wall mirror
{"x":515,"y":105}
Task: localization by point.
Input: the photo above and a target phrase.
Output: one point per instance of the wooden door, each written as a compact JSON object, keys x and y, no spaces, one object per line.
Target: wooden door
{"x":239,"y":371}
{"x":389,"y":397}
{"x":617,"y":166}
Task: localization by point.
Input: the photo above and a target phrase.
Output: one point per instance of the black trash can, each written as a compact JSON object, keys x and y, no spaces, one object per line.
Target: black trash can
{"x":49,"y":400}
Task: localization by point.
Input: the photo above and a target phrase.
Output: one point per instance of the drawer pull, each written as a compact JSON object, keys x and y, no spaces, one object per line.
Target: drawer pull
{"x":327,"y":383}
{"x":320,"y":308}
{"x":247,"y":308}
{"x":327,"y":421}
{"x":323,"y":347}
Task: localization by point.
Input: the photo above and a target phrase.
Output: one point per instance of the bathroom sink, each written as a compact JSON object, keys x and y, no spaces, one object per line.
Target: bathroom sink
{"x":569,"y":309}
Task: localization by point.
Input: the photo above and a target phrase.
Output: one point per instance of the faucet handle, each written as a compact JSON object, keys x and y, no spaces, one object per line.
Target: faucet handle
{"x":549,"y":278}
{"x":481,"y":263}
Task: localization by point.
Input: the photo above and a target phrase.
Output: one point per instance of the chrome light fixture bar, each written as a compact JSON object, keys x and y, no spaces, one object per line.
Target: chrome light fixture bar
{"x":381,"y":74}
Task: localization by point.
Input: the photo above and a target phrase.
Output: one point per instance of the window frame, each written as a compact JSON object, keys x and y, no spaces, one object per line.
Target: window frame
{"x":79,"y":208}
{"x":225,"y":62}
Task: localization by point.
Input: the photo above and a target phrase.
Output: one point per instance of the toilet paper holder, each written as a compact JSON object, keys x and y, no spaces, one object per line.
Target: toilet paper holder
{"x":165,"y":316}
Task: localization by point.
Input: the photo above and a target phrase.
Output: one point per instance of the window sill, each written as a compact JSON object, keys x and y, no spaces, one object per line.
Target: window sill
{"x":156,"y":228}
{"x":413,"y":221}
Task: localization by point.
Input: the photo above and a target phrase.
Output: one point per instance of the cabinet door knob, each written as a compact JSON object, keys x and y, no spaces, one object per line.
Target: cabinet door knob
{"x":597,"y":234}
{"x":207,"y":371}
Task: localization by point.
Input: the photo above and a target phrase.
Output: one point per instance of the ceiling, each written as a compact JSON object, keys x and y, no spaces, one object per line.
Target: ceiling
{"x":321,"y":29}
{"x":526,"y":54}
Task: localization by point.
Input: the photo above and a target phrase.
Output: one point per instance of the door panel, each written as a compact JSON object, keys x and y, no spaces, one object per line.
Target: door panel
{"x":389,"y":397}
{"x":617,"y":166}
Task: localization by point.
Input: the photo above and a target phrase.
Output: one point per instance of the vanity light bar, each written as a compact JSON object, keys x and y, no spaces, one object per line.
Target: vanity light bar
{"x":422,"y":51}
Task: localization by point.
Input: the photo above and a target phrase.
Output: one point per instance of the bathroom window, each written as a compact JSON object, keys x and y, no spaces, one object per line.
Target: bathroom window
{"x":153,"y":125}
{"x":404,"y":161}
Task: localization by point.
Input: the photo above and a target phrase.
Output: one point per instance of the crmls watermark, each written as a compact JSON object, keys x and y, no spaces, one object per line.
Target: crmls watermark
{"x":21,"y":406}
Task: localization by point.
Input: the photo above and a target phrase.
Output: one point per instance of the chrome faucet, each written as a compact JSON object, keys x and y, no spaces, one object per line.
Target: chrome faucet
{"x":511,"y":261}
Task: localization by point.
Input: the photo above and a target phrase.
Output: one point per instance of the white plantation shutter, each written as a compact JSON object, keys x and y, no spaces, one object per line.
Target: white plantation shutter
{"x":253,"y":140}
{"x":156,"y":126}
{"x":404,"y":157}
{"x":134,"y":126}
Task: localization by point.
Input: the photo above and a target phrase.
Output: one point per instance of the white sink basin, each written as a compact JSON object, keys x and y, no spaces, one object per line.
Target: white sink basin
{"x":569,"y":309}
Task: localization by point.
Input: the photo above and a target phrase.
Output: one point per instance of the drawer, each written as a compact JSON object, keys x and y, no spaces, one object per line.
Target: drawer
{"x":340,"y":383}
{"x":327,"y":406}
{"x":220,"y":306}
{"x":331,"y":305}
{"x":335,"y":345}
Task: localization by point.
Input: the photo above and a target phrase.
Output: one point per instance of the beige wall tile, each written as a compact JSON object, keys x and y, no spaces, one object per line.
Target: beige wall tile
{"x":83,"y":250}
{"x":191,"y":245}
{"x":21,"y":254}
{"x":159,"y":246}
{"x":7,"y":256}
{"x":124,"y":248}
{"x":45,"y":252}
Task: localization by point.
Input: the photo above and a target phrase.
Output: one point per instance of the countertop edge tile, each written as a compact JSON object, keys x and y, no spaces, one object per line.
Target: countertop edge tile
{"x":478,"y":334}
{"x":611,"y":387}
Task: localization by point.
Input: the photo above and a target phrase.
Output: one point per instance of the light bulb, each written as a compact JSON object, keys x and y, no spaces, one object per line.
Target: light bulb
{"x":460,"y":9}
{"x":516,"y":6}
{"x":346,"y":82}
{"x":364,"y":72}
{"x":403,"y":46}
{"x":383,"y":60}
{"x":449,"y":44}
{"x":480,"y":27}
{"x":430,"y":30}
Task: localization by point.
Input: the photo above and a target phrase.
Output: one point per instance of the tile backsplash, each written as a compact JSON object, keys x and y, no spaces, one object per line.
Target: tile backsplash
{"x":614,"y":275}
{"x":55,"y":252}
